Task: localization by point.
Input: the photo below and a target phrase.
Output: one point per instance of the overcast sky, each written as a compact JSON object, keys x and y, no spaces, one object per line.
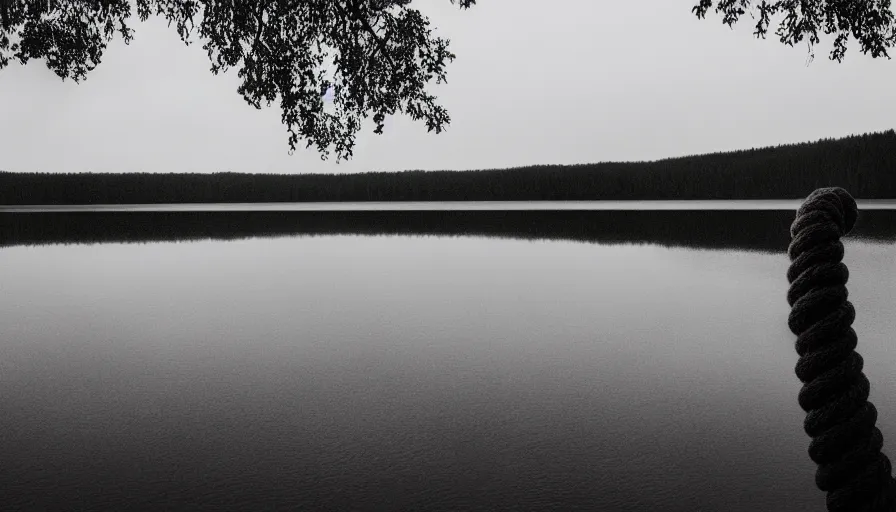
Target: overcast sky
{"x":580,"y":81}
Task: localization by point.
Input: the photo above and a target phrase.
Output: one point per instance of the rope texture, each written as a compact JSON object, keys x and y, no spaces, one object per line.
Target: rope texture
{"x":846,"y":444}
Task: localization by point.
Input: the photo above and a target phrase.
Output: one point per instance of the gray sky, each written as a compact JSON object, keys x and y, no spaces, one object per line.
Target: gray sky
{"x":581,"y":81}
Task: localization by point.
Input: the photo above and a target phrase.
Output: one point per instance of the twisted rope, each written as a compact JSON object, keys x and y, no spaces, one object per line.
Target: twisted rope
{"x":846,"y":444}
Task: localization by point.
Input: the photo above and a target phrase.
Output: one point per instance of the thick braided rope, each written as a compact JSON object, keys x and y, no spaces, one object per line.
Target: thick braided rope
{"x":846,"y":444}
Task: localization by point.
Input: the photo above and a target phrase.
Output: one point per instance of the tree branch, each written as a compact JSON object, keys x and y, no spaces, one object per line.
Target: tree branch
{"x":365,"y":24}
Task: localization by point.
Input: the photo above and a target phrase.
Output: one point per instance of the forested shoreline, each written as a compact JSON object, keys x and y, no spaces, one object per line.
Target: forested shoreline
{"x":862,"y":164}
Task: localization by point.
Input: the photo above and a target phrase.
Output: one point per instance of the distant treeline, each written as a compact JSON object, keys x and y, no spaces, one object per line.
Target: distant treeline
{"x":763,"y":230}
{"x":865,"y":165}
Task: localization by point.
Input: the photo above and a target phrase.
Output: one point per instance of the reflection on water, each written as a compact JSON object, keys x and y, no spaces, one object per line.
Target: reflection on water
{"x":412,"y":373}
{"x":667,"y":204}
{"x":767,"y":230}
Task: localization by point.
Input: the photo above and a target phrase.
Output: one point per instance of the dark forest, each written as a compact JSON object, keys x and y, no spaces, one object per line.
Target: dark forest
{"x":862,"y":164}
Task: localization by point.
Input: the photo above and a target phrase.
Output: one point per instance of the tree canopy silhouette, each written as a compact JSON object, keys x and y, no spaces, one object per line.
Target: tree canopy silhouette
{"x":376,"y":56}
{"x":871,"y":22}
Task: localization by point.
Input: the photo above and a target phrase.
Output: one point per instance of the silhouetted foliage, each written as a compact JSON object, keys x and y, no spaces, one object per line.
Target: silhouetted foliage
{"x":871,"y":22}
{"x":762,"y":230}
{"x":376,"y":55}
{"x":863,"y":164}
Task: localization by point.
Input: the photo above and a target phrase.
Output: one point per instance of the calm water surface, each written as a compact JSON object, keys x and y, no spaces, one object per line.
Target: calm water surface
{"x":413,"y":373}
{"x":751,"y":204}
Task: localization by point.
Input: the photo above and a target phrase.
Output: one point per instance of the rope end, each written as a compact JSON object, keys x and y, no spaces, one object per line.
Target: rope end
{"x":845,"y":208}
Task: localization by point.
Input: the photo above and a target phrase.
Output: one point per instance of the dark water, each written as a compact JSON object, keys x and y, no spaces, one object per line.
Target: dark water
{"x":415,"y":360}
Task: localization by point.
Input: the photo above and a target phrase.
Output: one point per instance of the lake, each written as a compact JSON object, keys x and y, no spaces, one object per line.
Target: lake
{"x":416,"y":360}
{"x":746,"y":204}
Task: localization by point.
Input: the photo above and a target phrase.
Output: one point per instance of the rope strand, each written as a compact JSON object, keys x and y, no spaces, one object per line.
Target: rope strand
{"x":846,"y":444}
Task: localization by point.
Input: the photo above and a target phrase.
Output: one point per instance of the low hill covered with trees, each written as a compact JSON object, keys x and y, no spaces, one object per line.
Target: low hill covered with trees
{"x":865,"y":165}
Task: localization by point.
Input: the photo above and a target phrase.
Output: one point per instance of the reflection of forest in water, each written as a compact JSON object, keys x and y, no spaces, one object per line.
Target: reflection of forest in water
{"x":760,"y":230}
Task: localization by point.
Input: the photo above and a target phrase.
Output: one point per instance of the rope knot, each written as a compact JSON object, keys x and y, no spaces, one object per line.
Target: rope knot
{"x":834,"y":203}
